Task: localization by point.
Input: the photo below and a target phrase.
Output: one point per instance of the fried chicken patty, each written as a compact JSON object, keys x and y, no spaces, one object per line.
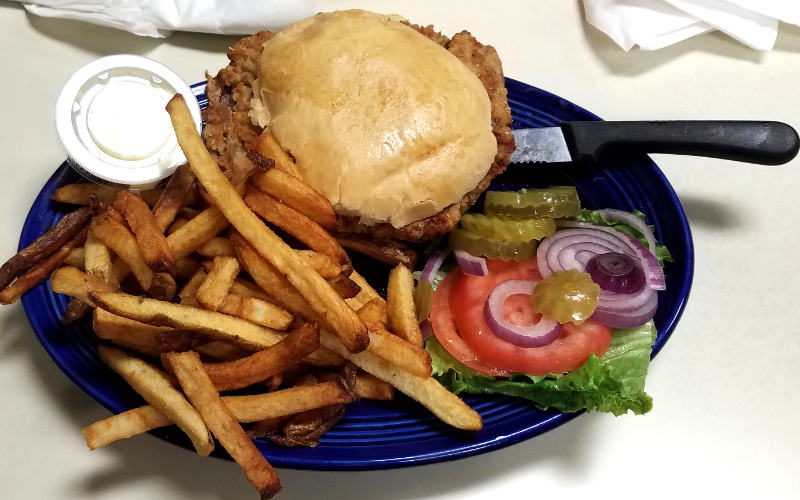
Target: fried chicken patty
{"x":229,"y":130}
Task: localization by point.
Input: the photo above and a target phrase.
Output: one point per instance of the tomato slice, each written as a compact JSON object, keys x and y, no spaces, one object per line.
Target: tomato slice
{"x":466,"y":298}
{"x":444,"y":327}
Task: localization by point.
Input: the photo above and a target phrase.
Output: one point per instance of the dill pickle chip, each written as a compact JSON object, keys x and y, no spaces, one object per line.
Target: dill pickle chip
{"x":555,"y":202}
{"x":475,"y":244}
{"x":503,"y":228}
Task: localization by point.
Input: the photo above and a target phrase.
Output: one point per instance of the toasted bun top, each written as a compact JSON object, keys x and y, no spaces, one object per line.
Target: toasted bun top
{"x":384,"y":122}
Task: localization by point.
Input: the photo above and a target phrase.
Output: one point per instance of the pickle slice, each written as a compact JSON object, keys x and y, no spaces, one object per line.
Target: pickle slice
{"x":503,"y":228}
{"x":474,"y":244}
{"x":555,"y":202}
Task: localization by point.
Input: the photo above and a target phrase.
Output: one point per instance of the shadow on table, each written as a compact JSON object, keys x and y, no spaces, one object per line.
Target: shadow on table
{"x":711,"y":214}
{"x":145,"y":459}
{"x":636,"y":61}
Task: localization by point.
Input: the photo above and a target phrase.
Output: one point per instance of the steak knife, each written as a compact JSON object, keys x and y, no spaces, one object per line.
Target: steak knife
{"x":765,"y":143}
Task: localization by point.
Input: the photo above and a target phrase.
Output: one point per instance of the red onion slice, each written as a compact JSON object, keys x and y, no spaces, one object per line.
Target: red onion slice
{"x":538,"y":335}
{"x":548,"y":253}
{"x":433,"y":265}
{"x":654,"y":272}
{"x":470,"y":264}
{"x":426,"y":328}
{"x":624,"y":315}
{"x":617,"y":273}
{"x":632,"y":220}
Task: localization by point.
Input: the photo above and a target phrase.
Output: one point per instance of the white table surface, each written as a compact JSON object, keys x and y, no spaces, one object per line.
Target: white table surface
{"x":726,"y":397}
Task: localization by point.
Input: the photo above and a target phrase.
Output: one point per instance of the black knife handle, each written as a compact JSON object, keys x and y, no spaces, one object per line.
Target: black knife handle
{"x":766,"y":143}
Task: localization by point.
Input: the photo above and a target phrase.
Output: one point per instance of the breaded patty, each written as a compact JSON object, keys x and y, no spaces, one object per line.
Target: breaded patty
{"x":229,"y":130}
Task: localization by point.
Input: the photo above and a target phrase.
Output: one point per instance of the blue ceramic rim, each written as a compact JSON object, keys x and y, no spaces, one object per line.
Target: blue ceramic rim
{"x":553,"y":419}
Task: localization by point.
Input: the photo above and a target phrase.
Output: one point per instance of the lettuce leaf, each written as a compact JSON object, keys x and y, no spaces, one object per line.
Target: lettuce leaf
{"x":611,"y":383}
{"x":594,"y":217}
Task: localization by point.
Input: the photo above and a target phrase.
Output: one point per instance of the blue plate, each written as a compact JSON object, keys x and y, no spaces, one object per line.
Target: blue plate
{"x":380,"y":435}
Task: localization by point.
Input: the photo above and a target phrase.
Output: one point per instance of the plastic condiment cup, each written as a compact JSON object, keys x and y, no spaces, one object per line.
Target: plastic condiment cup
{"x":111,"y":120}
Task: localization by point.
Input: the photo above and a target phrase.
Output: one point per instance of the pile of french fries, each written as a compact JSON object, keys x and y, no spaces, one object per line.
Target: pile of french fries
{"x":192,"y":294}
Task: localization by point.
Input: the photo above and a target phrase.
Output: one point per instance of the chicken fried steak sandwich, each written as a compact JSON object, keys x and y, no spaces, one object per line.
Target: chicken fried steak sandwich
{"x":400,"y":127}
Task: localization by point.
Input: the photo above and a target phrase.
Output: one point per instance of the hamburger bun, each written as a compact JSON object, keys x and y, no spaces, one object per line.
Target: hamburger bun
{"x":383,"y":121}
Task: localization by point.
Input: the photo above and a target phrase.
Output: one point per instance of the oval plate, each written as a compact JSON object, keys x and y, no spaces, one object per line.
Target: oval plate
{"x":380,"y":435}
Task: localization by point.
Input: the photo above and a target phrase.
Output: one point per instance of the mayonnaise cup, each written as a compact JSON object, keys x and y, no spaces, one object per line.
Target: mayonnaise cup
{"x":111,"y":120}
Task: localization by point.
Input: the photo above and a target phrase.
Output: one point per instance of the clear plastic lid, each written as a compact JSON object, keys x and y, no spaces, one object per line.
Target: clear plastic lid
{"x":111,"y":120}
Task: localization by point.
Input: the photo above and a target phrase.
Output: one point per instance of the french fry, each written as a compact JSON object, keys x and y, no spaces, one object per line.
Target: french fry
{"x":163,"y":286}
{"x":156,"y":389}
{"x":45,"y":245}
{"x":75,"y":311}
{"x":77,"y":257}
{"x":221,"y":351}
{"x":295,"y":193}
{"x":118,"y":238}
{"x":345,"y":287}
{"x":188,"y":212}
{"x":177,"y":224}
{"x":374,"y":311}
{"x":286,"y":401}
{"x":81,"y":194}
{"x":189,"y":290}
{"x":371,"y":387}
{"x":270,"y":280}
{"x":129,"y":334}
{"x":72,"y":281}
{"x":246,"y":289}
{"x":323,"y":299}
{"x":365,"y":386}
{"x":179,"y":340}
{"x":215,"y":286}
{"x":400,"y":305}
{"x":263,"y":364}
{"x":325,"y":265}
{"x":216,"y":325}
{"x":176,"y":193}
{"x":268,"y":147}
{"x":324,"y":358}
{"x":216,"y":247}
{"x":296,"y":224}
{"x":366,"y":294}
{"x":257,"y":311}
{"x":149,"y":236}
{"x":400,"y":353}
{"x":42,"y":270}
{"x":219,"y":418}
{"x":246,"y":409}
{"x":97,"y":261}
{"x":389,"y":252}
{"x":209,"y":223}
{"x":448,"y":407}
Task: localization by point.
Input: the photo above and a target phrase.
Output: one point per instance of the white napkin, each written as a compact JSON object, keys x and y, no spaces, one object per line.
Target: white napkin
{"x":159,"y":18}
{"x":653,"y":24}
